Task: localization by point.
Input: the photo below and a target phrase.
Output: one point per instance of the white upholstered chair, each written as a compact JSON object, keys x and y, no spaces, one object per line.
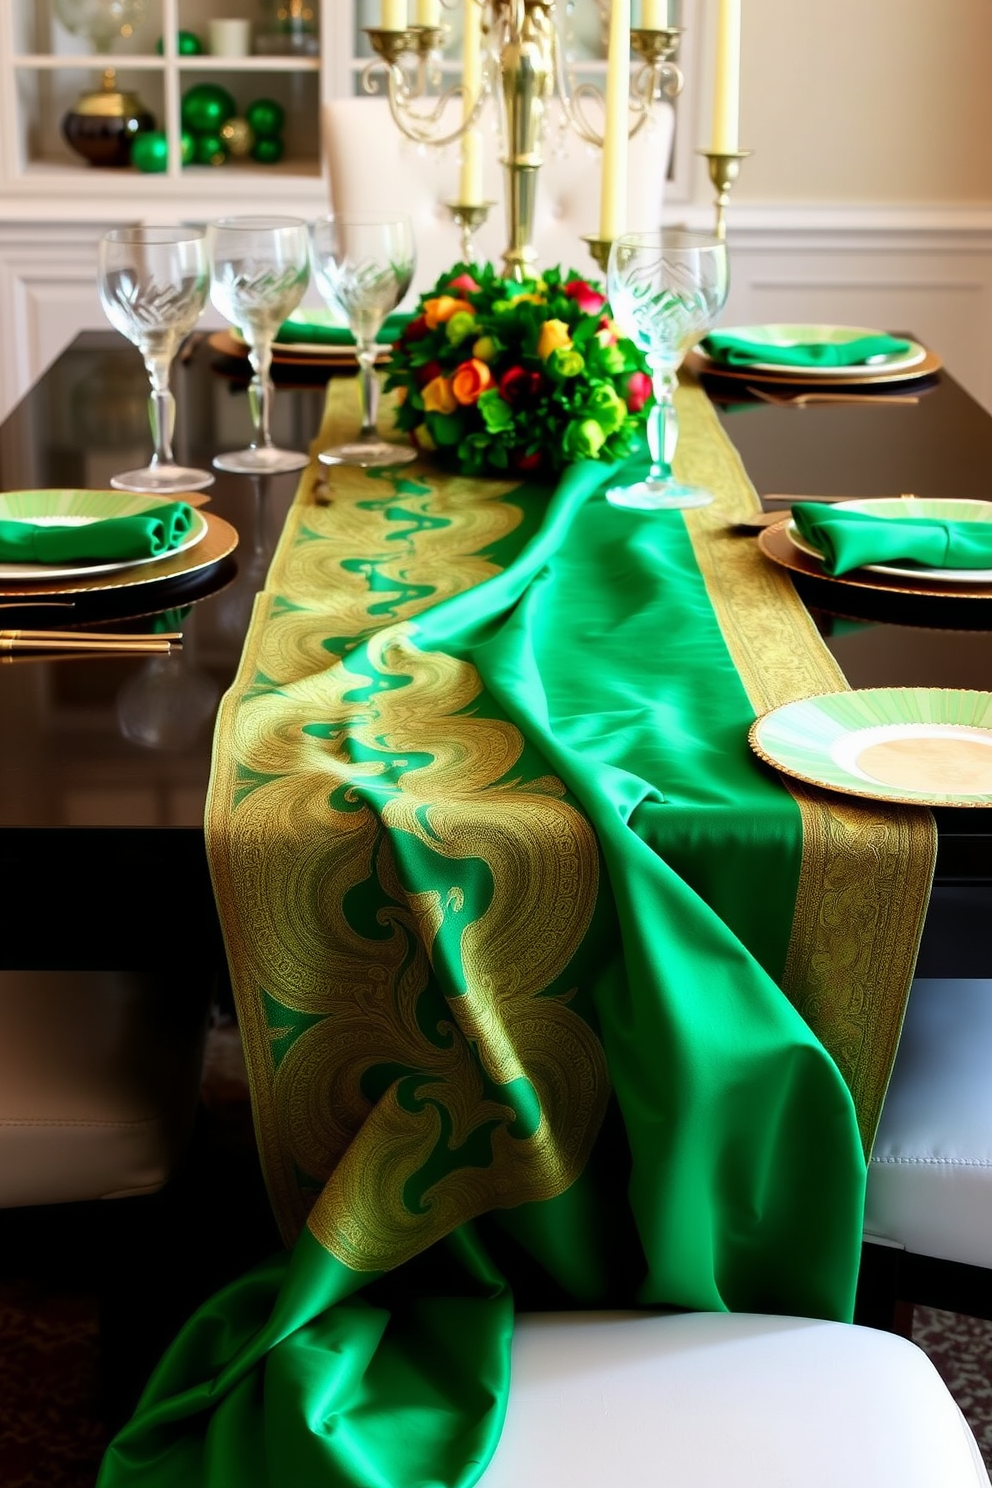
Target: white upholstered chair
{"x":928,"y":1216}
{"x":372,"y":167}
{"x":703,"y":1400}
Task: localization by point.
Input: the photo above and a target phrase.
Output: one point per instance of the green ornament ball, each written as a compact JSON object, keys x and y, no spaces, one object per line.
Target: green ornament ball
{"x":266,"y":118}
{"x":208,"y":149}
{"x":206,"y":107}
{"x":267,"y":150}
{"x":187,"y":144}
{"x":187,"y":44}
{"x":150,"y":151}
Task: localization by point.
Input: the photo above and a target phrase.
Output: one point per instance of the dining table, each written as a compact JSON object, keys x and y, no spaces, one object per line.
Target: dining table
{"x":450,"y":778}
{"x":104,"y":763}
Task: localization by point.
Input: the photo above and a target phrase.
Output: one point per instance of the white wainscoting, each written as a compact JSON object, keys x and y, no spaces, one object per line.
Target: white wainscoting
{"x":929,"y":272}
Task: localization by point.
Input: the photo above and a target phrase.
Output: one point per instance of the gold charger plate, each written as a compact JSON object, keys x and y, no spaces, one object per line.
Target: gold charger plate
{"x":930,"y":364}
{"x":289,"y":356}
{"x":218,"y":541}
{"x":776,"y":544}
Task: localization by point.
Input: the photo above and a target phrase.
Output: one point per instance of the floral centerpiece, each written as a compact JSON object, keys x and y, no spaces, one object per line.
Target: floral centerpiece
{"x":496,"y":377}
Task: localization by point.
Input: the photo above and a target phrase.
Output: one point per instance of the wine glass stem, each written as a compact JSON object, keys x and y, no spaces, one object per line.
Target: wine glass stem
{"x":368,"y":384}
{"x":161,"y":409}
{"x":663,"y":421}
{"x":260,"y":392}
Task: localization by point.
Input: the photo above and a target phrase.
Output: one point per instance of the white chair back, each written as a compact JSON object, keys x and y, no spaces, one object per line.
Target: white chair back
{"x":372,"y":167}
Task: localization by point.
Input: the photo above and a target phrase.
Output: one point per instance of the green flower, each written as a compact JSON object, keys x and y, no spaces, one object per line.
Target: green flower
{"x":606,"y":407}
{"x":446,"y":428}
{"x":583,"y":439}
{"x":565,"y":362}
{"x":497,"y":414}
{"x":460,"y":327}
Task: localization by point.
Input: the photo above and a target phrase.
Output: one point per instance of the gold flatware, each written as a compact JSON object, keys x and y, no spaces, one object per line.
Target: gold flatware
{"x":800,"y":400}
{"x":94,"y":642}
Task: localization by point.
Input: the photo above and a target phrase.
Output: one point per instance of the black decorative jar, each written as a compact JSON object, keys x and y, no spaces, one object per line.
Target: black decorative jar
{"x":103,"y":123}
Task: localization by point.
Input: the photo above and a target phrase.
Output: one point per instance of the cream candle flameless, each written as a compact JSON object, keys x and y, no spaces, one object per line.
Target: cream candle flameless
{"x":428,"y":12}
{"x":654,"y":15}
{"x":470,"y":189}
{"x":613,"y":197}
{"x":727,"y":79}
{"x":393,"y":16}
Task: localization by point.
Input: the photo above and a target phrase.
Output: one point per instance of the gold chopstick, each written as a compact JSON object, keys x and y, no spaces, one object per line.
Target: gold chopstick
{"x":107,"y":636}
{"x":102,"y":646}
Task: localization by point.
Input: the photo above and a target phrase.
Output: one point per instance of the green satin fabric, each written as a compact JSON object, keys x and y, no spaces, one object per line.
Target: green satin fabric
{"x":728,"y":1171}
{"x":321,"y":333}
{"x":850,"y":539}
{"x":737,"y":351}
{"x":114,"y":539}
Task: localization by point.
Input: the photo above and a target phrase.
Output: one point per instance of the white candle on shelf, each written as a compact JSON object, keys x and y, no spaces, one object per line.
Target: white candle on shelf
{"x":470,"y":188}
{"x":654,"y":15}
{"x":428,"y":12}
{"x":727,"y":79}
{"x":613,"y":197}
{"x":393,"y":16}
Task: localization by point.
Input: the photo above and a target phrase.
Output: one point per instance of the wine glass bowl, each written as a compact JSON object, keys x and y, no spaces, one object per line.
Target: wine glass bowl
{"x":666,"y":289}
{"x":260,"y":268}
{"x":363,"y":266}
{"x":153,"y":285}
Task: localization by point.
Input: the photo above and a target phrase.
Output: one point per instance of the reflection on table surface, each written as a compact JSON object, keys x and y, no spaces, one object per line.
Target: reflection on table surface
{"x":126,"y":741}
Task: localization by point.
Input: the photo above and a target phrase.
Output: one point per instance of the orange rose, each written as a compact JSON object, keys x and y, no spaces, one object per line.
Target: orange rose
{"x":471,"y":380}
{"x":438,"y":396}
{"x":442,"y":308}
{"x":554,"y":336}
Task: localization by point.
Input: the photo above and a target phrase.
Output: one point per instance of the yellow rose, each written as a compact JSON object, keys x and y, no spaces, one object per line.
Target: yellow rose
{"x":438,"y":397}
{"x":554,"y":337}
{"x":422,"y":437}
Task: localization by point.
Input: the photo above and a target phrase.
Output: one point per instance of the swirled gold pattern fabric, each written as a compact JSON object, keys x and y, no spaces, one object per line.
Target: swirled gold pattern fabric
{"x":866,"y":871}
{"x":413,"y":1055}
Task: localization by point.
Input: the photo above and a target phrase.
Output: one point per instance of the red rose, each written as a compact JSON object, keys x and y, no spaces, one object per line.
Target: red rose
{"x":464,"y":284}
{"x":427,"y":373}
{"x":518,"y":386}
{"x":588,"y":299}
{"x":415,"y":329}
{"x":638,"y":391}
{"x":528,"y":462}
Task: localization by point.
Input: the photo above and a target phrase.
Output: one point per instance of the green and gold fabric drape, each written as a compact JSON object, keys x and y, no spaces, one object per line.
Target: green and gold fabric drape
{"x":509,"y":907}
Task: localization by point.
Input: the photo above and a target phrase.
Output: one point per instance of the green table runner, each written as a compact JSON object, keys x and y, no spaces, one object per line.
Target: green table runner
{"x":508,"y":904}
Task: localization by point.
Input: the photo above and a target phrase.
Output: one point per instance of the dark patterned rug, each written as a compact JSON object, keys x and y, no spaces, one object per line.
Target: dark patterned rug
{"x":52,"y":1426}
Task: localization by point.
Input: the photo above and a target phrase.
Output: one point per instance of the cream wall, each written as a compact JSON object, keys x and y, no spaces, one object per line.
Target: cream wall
{"x":863,"y":101}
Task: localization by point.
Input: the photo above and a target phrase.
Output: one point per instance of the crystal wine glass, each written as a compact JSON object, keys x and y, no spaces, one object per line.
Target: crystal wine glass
{"x":666,"y":289}
{"x":260,"y":268}
{"x":363,"y":265}
{"x":153,"y":287}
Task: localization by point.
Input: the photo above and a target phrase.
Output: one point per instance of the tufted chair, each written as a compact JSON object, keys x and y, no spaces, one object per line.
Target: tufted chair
{"x":372,"y":167}
{"x":703,"y":1400}
{"x":928,"y":1215}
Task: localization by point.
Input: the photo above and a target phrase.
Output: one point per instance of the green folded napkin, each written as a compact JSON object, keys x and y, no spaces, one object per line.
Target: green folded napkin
{"x":849,"y":539}
{"x":325,"y":332}
{"x":111,"y":540}
{"x":735,"y":351}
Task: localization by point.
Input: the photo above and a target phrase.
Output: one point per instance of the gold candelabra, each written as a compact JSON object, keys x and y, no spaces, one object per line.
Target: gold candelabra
{"x":523,"y":65}
{"x":724,"y":168}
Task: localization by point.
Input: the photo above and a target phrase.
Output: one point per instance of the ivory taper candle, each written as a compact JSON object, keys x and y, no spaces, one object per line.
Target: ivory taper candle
{"x":727,"y":79}
{"x":654,"y":15}
{"x":470,"y":188}
{"x":428,"y":12}
{"x":393,"y":15}
{"x":613,"y":195}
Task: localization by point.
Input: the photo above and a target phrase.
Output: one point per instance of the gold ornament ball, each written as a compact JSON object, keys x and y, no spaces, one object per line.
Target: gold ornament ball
{"x":238,"y":136}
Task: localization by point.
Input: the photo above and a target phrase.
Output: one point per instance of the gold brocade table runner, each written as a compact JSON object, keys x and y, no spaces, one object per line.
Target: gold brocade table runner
{"x":356,"y":565}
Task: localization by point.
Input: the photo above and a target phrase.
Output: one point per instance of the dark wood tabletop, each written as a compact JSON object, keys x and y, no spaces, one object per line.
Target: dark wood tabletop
{"x":104,"y":763}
